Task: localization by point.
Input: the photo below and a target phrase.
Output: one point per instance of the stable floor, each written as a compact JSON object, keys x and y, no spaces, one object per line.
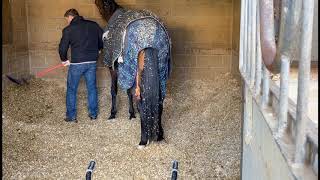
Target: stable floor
{"x":201,"y":121}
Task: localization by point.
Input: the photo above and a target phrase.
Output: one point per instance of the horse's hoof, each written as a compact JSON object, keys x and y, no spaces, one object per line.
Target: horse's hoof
{"x":142,"y":144}
{"x":160,"y":138}
{"x":112,"y":116}
{"x":132,"y":116}
{"x":141,"y":147}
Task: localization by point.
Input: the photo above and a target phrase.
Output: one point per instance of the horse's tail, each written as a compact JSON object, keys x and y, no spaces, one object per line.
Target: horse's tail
{"x":150,"y":93}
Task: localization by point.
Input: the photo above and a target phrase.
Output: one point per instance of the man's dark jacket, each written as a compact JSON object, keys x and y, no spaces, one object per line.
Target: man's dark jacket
{"x":85,"y":39}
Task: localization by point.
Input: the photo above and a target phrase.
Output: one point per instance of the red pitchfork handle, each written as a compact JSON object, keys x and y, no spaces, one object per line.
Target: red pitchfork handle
{"x":41,"y":73}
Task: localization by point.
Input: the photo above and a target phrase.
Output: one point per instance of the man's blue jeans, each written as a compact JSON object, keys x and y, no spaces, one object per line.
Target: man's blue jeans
{"x":88,"y":70}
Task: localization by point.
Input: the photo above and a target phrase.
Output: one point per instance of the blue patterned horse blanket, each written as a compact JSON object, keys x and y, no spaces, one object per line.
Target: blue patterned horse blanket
{"x":127,"y":33}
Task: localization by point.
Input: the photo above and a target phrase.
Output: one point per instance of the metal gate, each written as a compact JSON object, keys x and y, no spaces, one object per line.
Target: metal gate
{"x":279,"y":141}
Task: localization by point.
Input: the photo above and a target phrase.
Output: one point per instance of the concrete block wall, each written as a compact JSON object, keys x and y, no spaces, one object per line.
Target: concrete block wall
{"x":15,"y":60}
{"x":201,"y":33}
{"x":236,"y":37}
{"x":6,"y":22}
{"x":45,"y":24}
{"x":205,"y":35}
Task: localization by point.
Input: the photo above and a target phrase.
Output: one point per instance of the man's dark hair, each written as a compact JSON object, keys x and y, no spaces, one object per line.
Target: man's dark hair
{"x":71,"y":12}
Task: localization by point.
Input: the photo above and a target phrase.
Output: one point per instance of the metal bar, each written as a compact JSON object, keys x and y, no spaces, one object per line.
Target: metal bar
{"x":288,"y":41}
{"x":258,"y":56}
{"x":242,"y":124}
{"x":245,"y":46}
{"x":174,"y":174}
{"x":245,"y":108}
{"x":303,"y":79}
{"x":241,"y":36}
{"x":284,"y":93}
{"x":253,"y":42}
{"x":90,"y":169}
{"x":265,"y":90}
{"x":249,"y":42}
{"x":248,"y":115}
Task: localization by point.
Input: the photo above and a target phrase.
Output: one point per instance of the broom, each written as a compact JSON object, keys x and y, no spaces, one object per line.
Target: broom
{"x":42,"y":73}
{"x":38,"y":75}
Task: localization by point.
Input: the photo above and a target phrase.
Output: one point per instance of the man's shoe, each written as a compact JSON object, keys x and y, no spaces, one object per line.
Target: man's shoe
{"x":112,"y":116}
{"x":71,"y":120}
{"x":92,"y":117}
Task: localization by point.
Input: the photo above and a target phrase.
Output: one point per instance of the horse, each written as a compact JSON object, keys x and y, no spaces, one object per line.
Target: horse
{"x":138,"y":53}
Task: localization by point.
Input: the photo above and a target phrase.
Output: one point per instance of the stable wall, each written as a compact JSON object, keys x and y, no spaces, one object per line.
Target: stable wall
{"x":205,"y":35}
{"x":15,"y":60}
{"x":236,"y":38}
{"x":201,"y":33}
{"x":261,"y":157}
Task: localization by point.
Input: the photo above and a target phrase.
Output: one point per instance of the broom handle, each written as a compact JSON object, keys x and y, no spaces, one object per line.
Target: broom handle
{"x":41,"y":73}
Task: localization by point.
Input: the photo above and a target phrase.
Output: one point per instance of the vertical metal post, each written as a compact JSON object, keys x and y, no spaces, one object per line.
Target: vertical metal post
{"x":242,"y":124}
{"x":245,"y":46}
{"x":242,"y":32}
{"x":90,"y":169}
{"x":245,"y":108}
{"x":284,"y":93}
{"x":248,"y":115}
{"x":253,"y":42}
{"x":303,"y":78}
{"x":258,"y":56}
{"x":249,"y":29}
{"x":174,"y":174}
{"x":265,"y":90}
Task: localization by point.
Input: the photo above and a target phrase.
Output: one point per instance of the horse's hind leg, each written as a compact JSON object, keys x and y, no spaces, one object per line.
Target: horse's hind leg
{"x":114,"y":91}
{"x":130,"y":100}
{"x":160,"y":134}
{"x":144,"y":127}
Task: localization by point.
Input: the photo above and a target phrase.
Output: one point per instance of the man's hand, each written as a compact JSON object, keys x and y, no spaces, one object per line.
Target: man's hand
{"x":66,"y":63}
{"x":137,"y":93}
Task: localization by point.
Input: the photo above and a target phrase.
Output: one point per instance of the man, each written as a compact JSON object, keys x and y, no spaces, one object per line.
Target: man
{"x":85,"y":40}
